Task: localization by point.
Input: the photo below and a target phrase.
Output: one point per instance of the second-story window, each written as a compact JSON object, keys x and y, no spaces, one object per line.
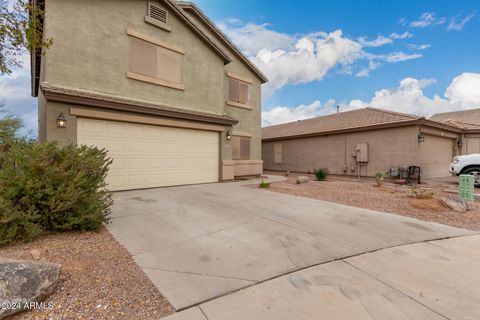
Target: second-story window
{"x":155,"y":62}
{"x":239,"y":91}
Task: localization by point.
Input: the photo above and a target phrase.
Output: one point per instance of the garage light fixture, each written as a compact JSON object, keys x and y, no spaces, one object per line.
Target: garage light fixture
{"x":61,"y":121}
{"x":459,"y":143}
{"x":229,"y":135}
{"x":421,"y":137}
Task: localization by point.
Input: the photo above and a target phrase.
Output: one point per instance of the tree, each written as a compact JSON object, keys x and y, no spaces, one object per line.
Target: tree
{"x":20,"y":31}
{"x":9,"y":125}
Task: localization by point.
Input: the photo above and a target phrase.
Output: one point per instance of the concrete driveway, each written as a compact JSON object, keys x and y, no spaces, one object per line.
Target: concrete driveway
{"x":197,"y":243}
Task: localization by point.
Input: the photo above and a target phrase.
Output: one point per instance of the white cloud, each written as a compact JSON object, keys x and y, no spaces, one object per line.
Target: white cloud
{"x":382,"y":40}
{"x":404,"y":35}
{"x":398,"y":57}
{"x":427,"y":19}
{"x":365,"y":72}
{"x":459,"y":25}
{"x":465,"y":90}
{"x":252,"y":37}
{"x":419,"y":46}
{"x":377,"y":42}
{"x":309,"y":61}
{"x":403,"y":21}
{"x":296,"y":59}
{"x":408,"y":97}
{"x":284,"y":114}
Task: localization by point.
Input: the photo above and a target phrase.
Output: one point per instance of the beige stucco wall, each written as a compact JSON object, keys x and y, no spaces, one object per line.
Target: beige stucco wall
{"x":92,"y":52}
{"x":387,"y":148}
{"x":249,"y":120}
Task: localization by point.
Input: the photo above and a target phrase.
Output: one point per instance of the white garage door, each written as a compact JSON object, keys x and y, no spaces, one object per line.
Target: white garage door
{"x":147,"y":156}
{"x":436,"y":156}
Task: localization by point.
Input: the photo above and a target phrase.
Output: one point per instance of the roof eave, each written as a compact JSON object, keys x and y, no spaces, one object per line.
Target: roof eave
{"x":396,"y":124}
{"x":443,"y":126}
{"x":102,"y":101}
{"x":191,"y":6}
{"x":179,"y":12}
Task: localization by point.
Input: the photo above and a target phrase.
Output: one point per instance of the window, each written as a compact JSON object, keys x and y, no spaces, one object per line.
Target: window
{"x":239,"y":91}
{"x":240,"y":148}
{"x":154,"y":63}
{"x":277,"y":153}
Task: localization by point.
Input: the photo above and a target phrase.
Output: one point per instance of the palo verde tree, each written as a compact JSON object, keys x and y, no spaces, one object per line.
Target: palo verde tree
{"x":20,"y":31}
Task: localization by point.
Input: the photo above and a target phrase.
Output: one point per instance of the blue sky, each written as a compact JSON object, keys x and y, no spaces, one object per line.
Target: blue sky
{"x":411,"y":56}
{"x":438,"y":40}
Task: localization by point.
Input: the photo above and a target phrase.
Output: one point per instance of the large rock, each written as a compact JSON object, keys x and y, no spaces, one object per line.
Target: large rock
{"x":302,"y":179}
{"x":23,"y":282}
{"x":456,"y":204}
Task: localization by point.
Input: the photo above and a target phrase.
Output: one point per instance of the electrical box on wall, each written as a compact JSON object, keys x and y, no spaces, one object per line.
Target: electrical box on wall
{"x":362,"y":152}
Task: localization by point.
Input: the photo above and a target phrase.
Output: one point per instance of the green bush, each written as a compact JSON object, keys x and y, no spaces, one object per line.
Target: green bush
{"x":264,"y":185}
{"x":47,"y":188}
{"x":321,"y":174}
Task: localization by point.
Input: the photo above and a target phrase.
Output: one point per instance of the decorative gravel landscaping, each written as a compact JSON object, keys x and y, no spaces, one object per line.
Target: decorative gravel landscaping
{"x":389,"y":198}
{"x":98,"y":279}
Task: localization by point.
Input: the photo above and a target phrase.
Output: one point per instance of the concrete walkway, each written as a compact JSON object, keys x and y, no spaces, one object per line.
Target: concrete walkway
{"x":197,"y":243}
{"x":428,"y":280}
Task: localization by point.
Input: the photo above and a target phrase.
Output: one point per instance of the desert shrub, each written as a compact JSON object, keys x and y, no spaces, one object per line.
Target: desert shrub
{"x":379,"y":178}
{"x":47,"y":188}
{"x":264,"y":184}
{"x":321,"y":174}
{"x":417,"y":193}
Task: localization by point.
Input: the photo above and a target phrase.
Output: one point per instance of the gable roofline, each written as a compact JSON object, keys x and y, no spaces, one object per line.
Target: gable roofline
{"x":187,"y":5}
{"x":409,"y":120}
{"x":181,"y":14}
{"x":36,"y":53}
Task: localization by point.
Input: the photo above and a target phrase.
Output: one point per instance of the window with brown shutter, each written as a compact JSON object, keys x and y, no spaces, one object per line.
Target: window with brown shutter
{"x":149,"y":62}
{"x":239,"y":91}
{"x":240,"y":148}
{"x":277,"y":153}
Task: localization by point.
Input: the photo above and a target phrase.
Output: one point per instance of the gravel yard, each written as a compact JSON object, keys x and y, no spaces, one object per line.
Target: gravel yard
{"x":389,"y":198}
{"x":99,"y":279}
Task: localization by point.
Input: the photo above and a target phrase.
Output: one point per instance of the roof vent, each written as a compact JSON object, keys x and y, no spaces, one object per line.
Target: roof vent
{"x":157,"y":13}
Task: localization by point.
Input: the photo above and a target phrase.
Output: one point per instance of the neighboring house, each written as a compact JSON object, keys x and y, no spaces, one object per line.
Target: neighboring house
{"x":469,"y":120}
{"x":364,"y":142}
{"x":155,"y":83}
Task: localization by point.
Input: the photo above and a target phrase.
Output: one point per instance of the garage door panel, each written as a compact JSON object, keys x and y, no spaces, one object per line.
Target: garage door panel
{"x":147,"y":156}
{"x":135,"y":130}
{"x":436,"y":156}
{"x":92,"y":128}
{"x":90,"y":141}
{"x":115,"y":145}
{"x":114,"y":129}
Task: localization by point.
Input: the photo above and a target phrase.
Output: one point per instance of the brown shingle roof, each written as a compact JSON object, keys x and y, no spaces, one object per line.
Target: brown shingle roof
{"x":345,"y":120}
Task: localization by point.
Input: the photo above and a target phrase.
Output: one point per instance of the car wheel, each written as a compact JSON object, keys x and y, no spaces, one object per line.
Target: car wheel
{"x":475,"y":171}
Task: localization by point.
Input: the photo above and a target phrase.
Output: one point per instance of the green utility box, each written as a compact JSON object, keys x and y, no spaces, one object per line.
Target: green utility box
{"x":466,"y":188}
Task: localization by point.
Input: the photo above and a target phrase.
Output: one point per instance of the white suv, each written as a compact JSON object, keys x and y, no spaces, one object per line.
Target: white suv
{"x":468,"y":164}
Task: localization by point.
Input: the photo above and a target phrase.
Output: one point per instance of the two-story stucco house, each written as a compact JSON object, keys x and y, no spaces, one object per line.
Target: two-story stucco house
{"x":156,"y":83}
